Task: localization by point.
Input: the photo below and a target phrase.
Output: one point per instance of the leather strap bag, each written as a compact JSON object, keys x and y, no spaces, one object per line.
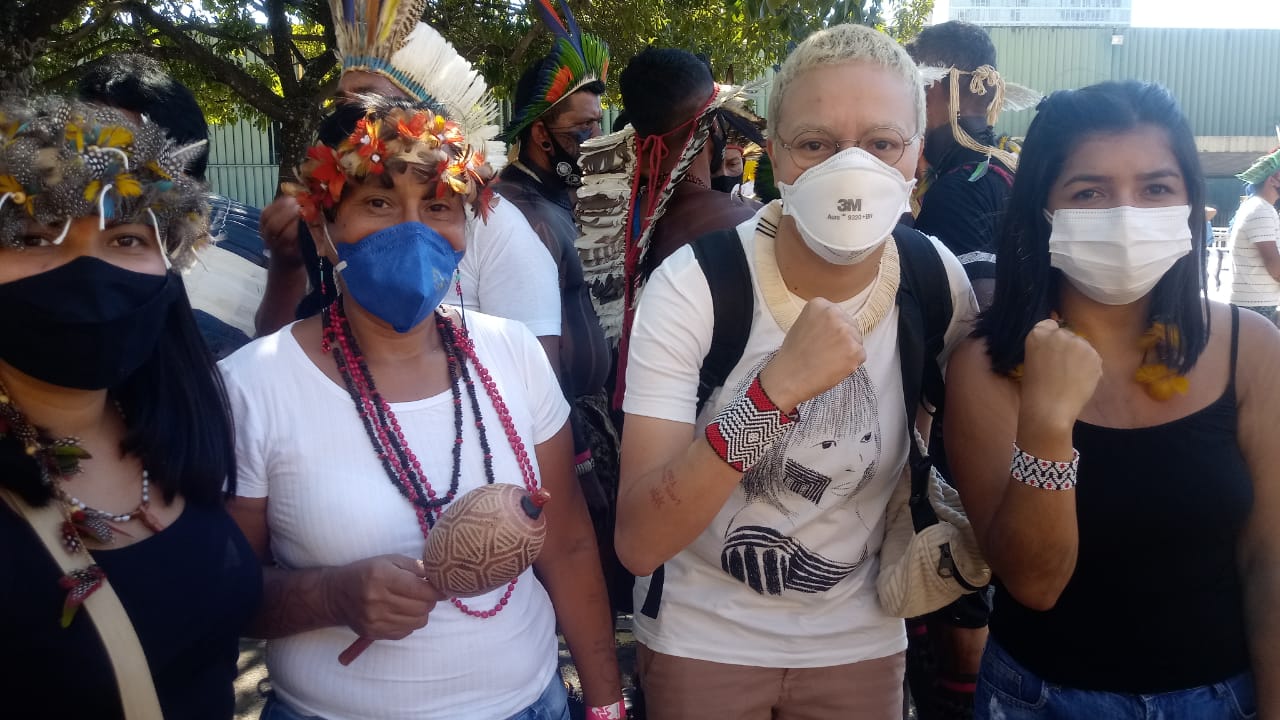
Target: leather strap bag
{"x":128,"y":661}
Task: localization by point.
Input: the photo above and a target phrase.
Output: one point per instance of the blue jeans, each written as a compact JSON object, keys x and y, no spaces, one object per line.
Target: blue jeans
{"x":552,"y":705}
{"x":1009,"y":691}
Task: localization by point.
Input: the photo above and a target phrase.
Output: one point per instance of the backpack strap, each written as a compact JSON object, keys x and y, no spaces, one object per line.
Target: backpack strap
{"x":924,"y":314}
{"x":724,"y":263}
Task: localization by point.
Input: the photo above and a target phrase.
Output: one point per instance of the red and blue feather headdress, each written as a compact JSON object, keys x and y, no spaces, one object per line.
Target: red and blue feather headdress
{"x":575,"y":60}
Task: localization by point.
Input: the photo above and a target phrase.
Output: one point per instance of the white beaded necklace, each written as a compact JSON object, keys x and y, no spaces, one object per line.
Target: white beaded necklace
{"x":883,"y":294}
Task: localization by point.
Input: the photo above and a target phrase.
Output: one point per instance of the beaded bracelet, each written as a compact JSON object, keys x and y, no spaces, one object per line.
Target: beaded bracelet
{"x":616,"y":711}
{"x":745,"y":429}
{"x":1044,"y":474}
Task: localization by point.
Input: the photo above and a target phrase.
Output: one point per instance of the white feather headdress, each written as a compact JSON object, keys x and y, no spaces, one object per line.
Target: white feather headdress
{"x":385,"y":37}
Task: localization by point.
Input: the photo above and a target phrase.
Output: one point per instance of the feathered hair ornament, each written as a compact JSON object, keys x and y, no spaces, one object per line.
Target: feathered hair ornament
{"x":385,"y":37}
{"x":388,"y":138}
{"x":575,"y":60}
{"x":1005,"y":96}
{"x":63,"y":159}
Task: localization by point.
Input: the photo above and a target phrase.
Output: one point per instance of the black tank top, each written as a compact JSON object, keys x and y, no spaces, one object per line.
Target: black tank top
{"x":1156,"y":601}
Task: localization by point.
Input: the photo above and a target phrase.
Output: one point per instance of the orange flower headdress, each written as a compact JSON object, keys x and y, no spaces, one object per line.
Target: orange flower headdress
{"x":388,"y":138}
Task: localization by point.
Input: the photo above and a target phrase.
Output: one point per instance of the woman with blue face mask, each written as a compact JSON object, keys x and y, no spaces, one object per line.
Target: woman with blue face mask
{"x":1111,"y":433}
{"x":357,"y":429}
{"x":124,"y":582}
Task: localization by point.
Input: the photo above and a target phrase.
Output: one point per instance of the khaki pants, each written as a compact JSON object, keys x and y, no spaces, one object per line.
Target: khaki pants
{"x":678,"y":688}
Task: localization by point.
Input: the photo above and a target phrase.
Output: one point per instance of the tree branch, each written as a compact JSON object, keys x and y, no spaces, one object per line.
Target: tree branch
{"x":33,"y":20}
{"x":59,"y":82}
{"x":261,"y":97}
{"x":278,"y":25}
{"x":105,"y":15}
{"x":317,"y":67}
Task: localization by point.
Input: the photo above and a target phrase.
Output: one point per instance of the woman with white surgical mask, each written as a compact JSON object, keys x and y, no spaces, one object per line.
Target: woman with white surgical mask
{"x":771,"y":496}
{"x":1110,"y":431}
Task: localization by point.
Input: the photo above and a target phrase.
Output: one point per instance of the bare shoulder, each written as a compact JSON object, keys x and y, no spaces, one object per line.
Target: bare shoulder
{"x":970,"y":361}
{"x":971,"y":381}
{"x":1259,"y":356}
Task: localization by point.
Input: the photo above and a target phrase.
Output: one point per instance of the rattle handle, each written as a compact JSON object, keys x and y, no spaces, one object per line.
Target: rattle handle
{"x":353,"y":650}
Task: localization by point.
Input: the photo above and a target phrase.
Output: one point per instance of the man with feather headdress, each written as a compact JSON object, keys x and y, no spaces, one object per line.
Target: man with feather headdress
{"x":970,"y":172}
{"x":557,"y":108}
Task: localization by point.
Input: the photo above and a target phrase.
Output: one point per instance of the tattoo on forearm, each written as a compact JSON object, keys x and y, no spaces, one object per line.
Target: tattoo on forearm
{"x":669,"y":486}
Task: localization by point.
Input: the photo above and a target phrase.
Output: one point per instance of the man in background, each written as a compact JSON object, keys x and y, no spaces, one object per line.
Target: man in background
{"x":1255,"y":229}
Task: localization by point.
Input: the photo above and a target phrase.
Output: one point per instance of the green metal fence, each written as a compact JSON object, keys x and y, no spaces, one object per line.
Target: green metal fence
{"x":1216,"y":75}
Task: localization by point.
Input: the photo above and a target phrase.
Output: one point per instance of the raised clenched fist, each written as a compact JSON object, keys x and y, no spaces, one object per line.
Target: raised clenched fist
{"x":1060,"y":373}
{"x":823,"y":348}
{"x":278,"y":227}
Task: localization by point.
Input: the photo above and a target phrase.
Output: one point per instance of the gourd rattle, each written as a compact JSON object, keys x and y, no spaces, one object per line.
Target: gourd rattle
{"x":481,"y":542}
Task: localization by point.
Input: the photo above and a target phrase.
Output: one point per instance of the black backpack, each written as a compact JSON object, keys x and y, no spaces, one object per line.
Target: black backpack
{"x":924,"y":313}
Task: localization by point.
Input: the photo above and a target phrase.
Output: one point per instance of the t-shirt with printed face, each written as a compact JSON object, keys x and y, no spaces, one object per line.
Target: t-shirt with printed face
{"x":785,"y":574}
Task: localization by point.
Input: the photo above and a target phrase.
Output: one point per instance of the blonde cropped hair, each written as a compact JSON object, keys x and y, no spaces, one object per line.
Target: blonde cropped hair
{"x":843,"y":44}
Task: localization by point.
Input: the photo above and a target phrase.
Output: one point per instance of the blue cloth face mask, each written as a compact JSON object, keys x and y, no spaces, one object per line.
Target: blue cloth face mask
{"x":400,"y":273}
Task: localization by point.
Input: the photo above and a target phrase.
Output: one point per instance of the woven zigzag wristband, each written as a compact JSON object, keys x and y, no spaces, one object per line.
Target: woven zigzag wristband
{"x":1044,"y":474}
{"x":746,"y":428}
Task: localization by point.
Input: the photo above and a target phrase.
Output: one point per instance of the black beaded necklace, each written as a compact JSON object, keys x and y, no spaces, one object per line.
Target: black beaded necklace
{"x":382,"y":427}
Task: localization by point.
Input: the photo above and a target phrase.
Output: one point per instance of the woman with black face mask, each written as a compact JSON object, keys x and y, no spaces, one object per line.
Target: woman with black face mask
{"x":119,"y":558}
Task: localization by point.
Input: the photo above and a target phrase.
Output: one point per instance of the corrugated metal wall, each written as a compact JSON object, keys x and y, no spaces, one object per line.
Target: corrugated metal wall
{"x":242,"y":163}
{"x":1219,"y":76}
{"x":1215,"y":74}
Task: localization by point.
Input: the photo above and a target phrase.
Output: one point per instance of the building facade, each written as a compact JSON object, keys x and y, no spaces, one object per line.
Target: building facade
{"x":1068,"y":13}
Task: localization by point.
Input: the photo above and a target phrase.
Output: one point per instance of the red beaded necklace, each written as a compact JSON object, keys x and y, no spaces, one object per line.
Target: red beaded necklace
{"x":399,"y":461}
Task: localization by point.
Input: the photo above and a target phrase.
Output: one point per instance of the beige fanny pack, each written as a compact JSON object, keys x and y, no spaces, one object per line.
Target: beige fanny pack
{"x":128,"y":661}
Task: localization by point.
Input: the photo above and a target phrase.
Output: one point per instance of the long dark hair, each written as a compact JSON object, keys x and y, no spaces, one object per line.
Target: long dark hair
{"x":179,"y":422}
{"x":1026,"y":286}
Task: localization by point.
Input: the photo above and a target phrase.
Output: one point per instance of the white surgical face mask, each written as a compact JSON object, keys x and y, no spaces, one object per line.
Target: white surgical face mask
{"x":847,"y":206}
{"x":1115,"y":256}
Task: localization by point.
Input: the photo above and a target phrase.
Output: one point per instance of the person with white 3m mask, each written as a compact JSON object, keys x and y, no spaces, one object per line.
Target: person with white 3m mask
{"x":754,"y":513}
{"x":1111,"y":433}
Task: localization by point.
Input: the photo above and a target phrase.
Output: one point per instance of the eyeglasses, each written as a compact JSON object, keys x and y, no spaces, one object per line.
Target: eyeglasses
{"x":812,"y":147}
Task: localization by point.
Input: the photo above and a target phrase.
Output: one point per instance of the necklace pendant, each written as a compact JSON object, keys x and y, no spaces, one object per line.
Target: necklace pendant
{"x":92,"y":526}
{"x":71,"y":538}
{"x":79,"y":584}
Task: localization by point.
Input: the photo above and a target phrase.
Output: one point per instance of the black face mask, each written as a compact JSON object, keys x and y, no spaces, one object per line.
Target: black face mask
{"x":565,"y":163}
{"x":725,"y":183}
{"x":87,"y":324}
{"x":939,"y":142}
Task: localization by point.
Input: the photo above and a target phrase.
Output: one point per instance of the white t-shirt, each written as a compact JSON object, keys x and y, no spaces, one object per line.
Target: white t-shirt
{"x":300,"y":443}
{"x":1251,"y":285}
{"x":785,"y":575}
{"x":508,"y":272}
